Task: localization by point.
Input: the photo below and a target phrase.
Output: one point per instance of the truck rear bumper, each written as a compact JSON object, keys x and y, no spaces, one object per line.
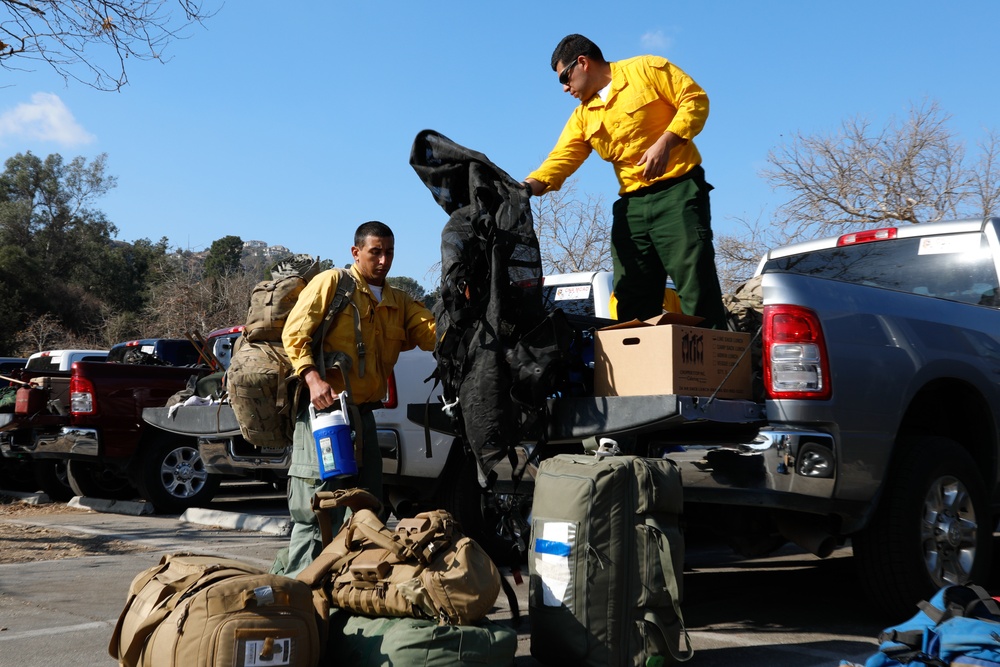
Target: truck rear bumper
{"x":69,"y":443}
{"x":780,"y":468}
{"x":235,"y":456}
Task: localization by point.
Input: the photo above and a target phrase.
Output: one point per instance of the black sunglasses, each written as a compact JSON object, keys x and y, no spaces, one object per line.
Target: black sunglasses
{"x":564,"y":74}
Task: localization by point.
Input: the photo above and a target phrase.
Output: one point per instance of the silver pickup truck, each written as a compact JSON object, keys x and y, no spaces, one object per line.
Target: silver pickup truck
{"x":879,"y":420}
{"x":881,"y":366}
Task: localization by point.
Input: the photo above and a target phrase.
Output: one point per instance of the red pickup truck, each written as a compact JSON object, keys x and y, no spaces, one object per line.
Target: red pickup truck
{"x":99,"y":431}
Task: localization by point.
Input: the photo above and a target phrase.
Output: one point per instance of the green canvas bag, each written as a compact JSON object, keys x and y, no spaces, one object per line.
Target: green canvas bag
{"x":413,"y":642}
{"x":606,"y":562}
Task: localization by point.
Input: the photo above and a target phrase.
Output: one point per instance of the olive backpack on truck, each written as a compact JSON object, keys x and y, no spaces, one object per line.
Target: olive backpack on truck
{"x":606,"y":561}
{"x":206,"y":611}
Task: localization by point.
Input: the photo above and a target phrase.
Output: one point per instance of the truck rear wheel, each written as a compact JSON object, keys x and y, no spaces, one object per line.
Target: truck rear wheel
{"x":172,"y":475}
{"x":931,"y":529}
{"x":50,"y":476}
{"x":95,"y":480}
{"x":16,"y":475}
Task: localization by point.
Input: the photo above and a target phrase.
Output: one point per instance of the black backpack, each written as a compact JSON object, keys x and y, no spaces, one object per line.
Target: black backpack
{"x":499,"y":354}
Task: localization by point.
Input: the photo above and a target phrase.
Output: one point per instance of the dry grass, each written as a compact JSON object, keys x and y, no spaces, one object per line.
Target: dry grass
{"x":23,"y":543}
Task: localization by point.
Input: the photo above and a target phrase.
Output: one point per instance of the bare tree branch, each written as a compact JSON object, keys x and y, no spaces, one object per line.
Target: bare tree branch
{"x":910,"y":171}
{"x":574,"y":234}
{"x":90,"y":40}
{"x":986,"y":175}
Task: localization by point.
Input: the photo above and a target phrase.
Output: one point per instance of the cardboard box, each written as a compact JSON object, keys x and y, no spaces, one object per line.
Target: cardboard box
{"x":670,"y":355}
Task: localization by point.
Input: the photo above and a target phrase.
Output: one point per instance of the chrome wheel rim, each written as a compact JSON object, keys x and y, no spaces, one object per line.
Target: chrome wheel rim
{"x":949,"y":532}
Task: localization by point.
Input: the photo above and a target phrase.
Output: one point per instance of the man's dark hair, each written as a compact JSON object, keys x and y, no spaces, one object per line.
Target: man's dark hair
{"x":572,"y":46}
{"x":372,"y":228}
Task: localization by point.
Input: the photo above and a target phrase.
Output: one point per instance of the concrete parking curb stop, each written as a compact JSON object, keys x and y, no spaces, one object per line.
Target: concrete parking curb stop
{"x":280,"y":526}
{"x":34,"y":498}
{"x":130,"y":507}
{"x":238,"y":521}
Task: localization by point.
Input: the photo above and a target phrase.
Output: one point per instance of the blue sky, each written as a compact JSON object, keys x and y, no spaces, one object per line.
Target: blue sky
{"x":292,"y":122}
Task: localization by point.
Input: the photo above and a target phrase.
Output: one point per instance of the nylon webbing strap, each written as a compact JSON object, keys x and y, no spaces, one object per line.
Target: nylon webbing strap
{"x":341,"y":298}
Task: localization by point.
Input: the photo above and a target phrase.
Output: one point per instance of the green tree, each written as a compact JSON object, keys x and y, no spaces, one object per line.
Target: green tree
{"x":54,"y":242}
{"x":224,"y":257}
{"x":408,"y":285}
{"x":431,"y":298}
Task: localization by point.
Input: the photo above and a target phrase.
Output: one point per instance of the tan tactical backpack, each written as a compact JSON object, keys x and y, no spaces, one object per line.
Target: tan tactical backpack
{"x":425,"y":568}
{"x":206,"y":611}
{"x":262,"y":389}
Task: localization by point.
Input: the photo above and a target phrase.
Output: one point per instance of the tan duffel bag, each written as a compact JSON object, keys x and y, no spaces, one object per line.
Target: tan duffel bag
{"x":206,"y":611}
{"x":425,"y":568}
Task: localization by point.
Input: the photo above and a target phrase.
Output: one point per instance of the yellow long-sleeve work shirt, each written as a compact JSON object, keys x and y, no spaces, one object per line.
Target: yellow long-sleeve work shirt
{"x":648,"y":97}
{"x":388,"y":327}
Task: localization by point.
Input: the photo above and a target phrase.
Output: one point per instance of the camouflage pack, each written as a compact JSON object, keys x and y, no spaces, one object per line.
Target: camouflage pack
{"x":263,"y":391}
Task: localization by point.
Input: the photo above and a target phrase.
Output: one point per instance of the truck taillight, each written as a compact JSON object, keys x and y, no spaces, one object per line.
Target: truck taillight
{"x":795,"y":358}
{"x":391,"y":395}
{"x":81,"y":396}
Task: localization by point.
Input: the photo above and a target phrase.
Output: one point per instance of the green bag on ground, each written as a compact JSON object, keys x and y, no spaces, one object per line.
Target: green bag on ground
{"x":605,"y":562}
{"x":412,"y":642}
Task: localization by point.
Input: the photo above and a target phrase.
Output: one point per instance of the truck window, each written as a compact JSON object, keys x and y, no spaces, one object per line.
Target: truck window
{"x":43,"y":364}
{"x":164,"y":351}
{"x":573,"y":299}
{"x":957,"y":267}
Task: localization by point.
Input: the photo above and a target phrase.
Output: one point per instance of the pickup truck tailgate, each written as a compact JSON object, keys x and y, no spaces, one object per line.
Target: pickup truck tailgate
{"x":195,"y":420}
{"x":574,"y":419}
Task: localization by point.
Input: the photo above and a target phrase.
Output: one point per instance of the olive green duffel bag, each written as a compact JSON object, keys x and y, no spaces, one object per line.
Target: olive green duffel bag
{"x":380,"y":642}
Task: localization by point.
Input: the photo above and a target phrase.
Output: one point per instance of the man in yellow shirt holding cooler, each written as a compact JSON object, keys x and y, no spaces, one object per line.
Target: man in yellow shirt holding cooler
{"x":641,"y":115}
{"x":389,"y":321}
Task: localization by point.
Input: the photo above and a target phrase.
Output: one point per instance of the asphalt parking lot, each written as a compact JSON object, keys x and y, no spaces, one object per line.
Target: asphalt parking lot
{"x":791,"y":609}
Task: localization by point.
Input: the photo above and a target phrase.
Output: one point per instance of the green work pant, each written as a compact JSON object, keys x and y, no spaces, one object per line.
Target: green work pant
{"x":666,"y":231}
{"x":306,"y":540}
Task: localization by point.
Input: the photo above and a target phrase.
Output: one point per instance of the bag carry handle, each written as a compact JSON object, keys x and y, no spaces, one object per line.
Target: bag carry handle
{"x":355,"y":499}
{"x":684,"y":655}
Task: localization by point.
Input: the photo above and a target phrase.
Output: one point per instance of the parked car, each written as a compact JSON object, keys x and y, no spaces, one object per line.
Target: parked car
{"x":108,"y":450}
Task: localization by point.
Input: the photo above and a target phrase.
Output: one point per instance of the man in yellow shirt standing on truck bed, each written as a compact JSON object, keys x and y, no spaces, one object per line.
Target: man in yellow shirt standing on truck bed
{"x":641,"y":115}
{"x":390,"y":322}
